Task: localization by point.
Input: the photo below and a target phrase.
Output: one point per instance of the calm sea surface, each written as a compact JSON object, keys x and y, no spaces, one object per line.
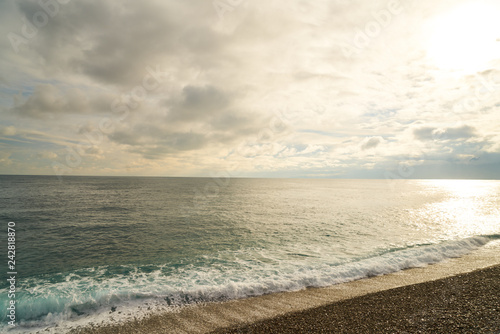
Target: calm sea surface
{"x":89,"y":244}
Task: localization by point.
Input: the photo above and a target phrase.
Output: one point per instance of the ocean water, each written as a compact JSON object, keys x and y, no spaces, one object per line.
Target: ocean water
{"x":91,"y":248}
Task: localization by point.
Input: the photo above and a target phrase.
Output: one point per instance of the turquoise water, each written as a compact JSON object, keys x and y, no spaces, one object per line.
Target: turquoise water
{"x":89,"y":244}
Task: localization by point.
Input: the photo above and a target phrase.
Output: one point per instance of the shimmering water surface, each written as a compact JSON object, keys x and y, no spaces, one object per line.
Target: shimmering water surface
{"x":87,"y":244}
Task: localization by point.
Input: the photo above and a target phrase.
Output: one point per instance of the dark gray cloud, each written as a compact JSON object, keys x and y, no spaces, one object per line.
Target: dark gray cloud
{"x":157,"y":138}
{"x":112,"y":42}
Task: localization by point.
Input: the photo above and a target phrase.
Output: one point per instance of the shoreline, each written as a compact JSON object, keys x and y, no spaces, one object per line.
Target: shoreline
{"x":465,"y":303}
{"x":210,"y":317}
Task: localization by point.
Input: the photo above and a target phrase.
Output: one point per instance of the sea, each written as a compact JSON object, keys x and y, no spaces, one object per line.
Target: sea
{"x":98,"y":249}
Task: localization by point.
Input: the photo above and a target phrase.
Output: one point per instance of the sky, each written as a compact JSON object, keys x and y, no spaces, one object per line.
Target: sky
{"x":236,"y":88}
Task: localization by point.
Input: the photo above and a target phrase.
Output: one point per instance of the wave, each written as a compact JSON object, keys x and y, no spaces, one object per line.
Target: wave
{"x":44,"y":301}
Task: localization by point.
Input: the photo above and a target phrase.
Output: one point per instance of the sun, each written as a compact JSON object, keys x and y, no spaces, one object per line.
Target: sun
{"x":467,"y":38}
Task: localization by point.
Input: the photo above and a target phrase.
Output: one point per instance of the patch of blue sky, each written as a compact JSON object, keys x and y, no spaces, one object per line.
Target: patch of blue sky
{"x":17,"y":141}
{"x":27,"y":87}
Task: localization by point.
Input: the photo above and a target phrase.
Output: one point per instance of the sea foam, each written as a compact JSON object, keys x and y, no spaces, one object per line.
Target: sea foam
{"x":97,"y":295}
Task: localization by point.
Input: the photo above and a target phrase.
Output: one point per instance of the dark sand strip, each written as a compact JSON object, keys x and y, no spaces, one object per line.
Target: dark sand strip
{"x":466,"y":303}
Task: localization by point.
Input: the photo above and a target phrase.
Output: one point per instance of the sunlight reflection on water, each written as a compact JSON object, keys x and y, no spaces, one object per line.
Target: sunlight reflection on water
{"x":467,"y":207}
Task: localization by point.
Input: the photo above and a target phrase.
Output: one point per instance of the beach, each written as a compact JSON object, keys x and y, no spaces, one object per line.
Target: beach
{"x":460,"y":295}
{"x":466,"y":303}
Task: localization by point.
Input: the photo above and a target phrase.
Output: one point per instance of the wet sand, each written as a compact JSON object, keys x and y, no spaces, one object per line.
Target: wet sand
{"x":456,"y":296}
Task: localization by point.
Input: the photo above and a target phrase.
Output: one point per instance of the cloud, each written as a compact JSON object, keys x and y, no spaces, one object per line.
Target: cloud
{"x":266,"y":86}
{"x":193,"y":118}
{"x":158,"y":137}
{"x":312,"y":149}
{"x":8,"y":130}
{"x":5,"y":159}
{"x":197,"y":103}
{"x":47,"y":155}
{"x":112,"y":42}
{"x":47,"y":100}
{"x":450,"y":133}
{"x":372,"y":142}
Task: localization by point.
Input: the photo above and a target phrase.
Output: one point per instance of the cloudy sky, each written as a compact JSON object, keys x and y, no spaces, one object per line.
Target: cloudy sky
{"x":275,"y":88}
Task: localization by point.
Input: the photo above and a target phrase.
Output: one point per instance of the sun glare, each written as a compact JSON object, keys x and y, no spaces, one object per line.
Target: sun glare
{"x":469,"y":207}
{"x":466,"y":39}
